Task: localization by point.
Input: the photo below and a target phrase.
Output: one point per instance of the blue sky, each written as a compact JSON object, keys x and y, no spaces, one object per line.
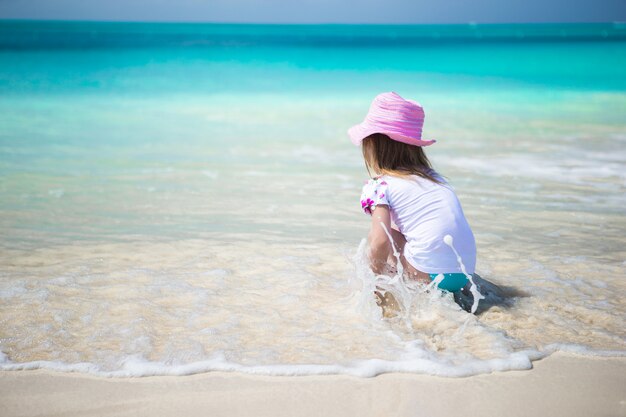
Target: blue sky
{"x":320,"y":11}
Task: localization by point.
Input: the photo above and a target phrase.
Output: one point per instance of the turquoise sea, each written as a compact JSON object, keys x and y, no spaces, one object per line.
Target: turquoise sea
{"x":179,"y":198}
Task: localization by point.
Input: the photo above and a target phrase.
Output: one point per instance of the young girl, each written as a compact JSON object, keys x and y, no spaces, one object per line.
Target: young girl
{"x":409,"y":200}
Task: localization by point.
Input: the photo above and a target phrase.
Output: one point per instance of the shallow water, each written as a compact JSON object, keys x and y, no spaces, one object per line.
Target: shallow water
{"x":176,"y":209}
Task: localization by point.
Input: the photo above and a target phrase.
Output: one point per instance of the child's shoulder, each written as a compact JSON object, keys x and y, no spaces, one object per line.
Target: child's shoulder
{"x":379,"y":180}
{"x":374,"y":184}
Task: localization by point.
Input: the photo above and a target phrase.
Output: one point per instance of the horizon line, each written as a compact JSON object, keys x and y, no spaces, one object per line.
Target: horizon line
{"x":617,"y":23}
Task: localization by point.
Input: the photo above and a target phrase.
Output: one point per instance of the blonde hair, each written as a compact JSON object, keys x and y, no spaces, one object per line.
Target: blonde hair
{"x":386,"y":156}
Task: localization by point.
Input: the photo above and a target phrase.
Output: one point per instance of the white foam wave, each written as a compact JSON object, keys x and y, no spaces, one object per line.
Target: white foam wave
{"x":572,"y":170}
{"x":137,"y":366}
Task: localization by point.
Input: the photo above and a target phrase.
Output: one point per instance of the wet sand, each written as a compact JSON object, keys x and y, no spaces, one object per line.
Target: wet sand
{"x":560,"y":385}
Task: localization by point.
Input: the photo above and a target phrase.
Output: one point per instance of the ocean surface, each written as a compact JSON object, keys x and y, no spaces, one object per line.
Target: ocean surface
{"x":181,"y":198}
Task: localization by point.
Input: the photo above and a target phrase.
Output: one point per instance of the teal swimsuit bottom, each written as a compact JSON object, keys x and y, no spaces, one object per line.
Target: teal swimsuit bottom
{"x":451,"y":282}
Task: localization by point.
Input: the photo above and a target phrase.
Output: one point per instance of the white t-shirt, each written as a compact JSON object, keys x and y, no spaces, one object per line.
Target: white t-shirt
{"x":425,"y":212}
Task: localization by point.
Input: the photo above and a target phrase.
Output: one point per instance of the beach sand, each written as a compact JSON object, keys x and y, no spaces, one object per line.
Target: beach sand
{"x":560,"y":385}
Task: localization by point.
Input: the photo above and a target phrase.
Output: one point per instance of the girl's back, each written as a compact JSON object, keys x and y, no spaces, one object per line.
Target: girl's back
{"x":425,"y":212}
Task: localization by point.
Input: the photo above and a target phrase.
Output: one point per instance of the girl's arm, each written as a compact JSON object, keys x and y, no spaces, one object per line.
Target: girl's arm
{"x":381,"y":256}
{"x":379,"y":244}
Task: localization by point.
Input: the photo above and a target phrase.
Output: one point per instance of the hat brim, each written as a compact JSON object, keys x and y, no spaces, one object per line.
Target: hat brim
{"x":359,"y":132}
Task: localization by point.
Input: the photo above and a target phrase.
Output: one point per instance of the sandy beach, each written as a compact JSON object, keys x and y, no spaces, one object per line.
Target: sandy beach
{"x":560,"y":385}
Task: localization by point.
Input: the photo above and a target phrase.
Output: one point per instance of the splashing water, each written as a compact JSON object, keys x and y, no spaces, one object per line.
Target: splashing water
{"x":400,"y":295}
{"x":448,"y":240}
{"x":398,"y":282}
{"x":396,"y":254}
{"x":435,"y":282}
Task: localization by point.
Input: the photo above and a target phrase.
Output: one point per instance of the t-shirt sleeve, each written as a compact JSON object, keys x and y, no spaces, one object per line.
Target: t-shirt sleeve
{"x":374,"y":193}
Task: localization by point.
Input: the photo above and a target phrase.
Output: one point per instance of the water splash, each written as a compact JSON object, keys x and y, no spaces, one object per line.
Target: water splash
{"x":397,"y":285}
{"x":396,"y":254}
{"x":448,"y":240}
{"x":435,"y":282}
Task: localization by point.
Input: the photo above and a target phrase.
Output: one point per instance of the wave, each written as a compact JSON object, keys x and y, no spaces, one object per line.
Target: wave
{"x":137,"y":366}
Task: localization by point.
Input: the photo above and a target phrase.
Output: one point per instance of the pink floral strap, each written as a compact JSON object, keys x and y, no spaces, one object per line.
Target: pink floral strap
{"x":374,"y":193}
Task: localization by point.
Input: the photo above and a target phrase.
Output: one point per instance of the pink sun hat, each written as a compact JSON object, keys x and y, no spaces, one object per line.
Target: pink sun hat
{"x":402,"y":120}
